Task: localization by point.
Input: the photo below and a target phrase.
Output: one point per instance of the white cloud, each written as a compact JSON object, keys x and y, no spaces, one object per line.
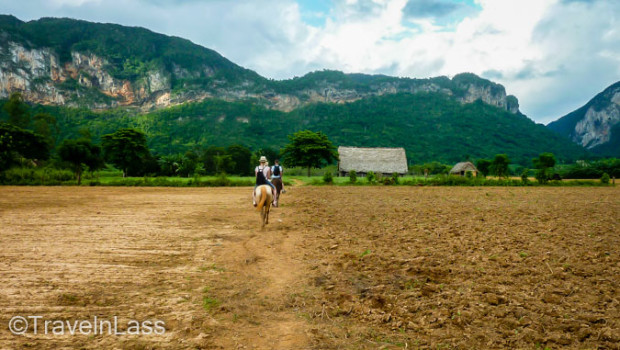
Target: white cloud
{"x":554,"y":55}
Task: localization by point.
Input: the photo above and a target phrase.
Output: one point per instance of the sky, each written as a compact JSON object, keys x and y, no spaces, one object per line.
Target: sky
{"x":554,"y":55}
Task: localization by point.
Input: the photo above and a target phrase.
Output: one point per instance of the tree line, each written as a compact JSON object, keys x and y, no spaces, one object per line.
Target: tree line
{"x":28,"y":141}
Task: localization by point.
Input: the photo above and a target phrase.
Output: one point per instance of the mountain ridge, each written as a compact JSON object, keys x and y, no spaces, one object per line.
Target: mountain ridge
{"x":79,"y":63}
{"x":595,"y":125}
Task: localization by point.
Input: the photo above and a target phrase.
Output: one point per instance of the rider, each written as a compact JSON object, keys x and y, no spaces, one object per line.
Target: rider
{"x":261,"y":179}
{"x":276,"y":172}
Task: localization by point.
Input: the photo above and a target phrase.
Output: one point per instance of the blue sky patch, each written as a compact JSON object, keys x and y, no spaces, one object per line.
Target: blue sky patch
{"x":315,"y":12}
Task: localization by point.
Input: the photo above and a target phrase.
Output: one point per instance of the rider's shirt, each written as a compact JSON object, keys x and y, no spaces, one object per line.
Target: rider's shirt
{"x":266,"y":170}
{"x":276,"y":176}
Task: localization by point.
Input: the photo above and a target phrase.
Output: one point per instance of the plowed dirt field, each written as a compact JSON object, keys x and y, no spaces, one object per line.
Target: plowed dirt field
{"x":336,"y":268}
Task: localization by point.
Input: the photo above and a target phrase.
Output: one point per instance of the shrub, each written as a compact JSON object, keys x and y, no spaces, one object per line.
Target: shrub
{"x":352,"y":176}
{"x":30,"y":176}
{"x":221,"y":181}
{"x":605,"y":179}
{"x":371,"y":177}
{"x":387,"y":181}
{"x":395,"y":178}
{"x":196,"y":179}
{"x":328,"y":178}
{"x":524,"y":176}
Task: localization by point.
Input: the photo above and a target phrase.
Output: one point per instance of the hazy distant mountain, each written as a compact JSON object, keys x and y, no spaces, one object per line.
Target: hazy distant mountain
{"x":596,"y":125}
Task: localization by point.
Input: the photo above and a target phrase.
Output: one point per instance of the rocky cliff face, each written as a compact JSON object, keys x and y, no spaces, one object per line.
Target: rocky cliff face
{"x":595,"y":127}
{"x":37,"y":74}
{"x":85,"y":80}
{"x":591,"y":125}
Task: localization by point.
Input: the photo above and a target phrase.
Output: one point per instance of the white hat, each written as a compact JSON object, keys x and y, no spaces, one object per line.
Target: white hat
{"x":263,"y":159}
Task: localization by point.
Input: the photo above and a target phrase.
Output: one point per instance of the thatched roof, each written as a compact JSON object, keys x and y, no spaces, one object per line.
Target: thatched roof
{"x":463,"y":166}
{"x":377,"y":160}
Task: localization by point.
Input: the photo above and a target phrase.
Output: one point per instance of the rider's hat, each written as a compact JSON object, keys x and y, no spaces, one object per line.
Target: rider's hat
{"x":263,"y":159}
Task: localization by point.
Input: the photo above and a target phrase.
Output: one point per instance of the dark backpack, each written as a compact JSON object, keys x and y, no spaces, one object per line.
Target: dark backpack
{"x":276,"y":170}
{"x":260,"y":177}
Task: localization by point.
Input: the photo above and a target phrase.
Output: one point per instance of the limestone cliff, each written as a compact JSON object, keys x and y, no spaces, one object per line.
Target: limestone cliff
{"x":596,"y":124}
{"x":98,"y":66}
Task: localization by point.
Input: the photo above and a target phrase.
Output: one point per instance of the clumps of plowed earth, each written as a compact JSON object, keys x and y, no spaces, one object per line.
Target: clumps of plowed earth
{"x":463,"y":267}
{"x":336,"y":268}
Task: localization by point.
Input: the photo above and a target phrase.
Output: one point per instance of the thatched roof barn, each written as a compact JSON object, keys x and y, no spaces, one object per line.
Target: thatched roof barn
{"x":463,"y":167}
{"x":378,"y":160}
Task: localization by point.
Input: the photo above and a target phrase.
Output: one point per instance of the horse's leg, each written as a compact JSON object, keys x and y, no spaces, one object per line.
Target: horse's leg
{"x":262,"y":217}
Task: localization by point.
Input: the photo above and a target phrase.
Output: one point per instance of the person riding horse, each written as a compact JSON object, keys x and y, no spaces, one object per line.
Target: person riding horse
{"x":263,"y":172}
{"x":276,"y":180}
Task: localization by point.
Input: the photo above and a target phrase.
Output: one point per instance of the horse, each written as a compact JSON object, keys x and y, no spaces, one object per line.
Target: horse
{"x":277,"y":182}
{"x":264,"y":196}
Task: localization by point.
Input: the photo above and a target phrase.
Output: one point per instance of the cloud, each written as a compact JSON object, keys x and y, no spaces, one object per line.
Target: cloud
{"x":579,"y":56}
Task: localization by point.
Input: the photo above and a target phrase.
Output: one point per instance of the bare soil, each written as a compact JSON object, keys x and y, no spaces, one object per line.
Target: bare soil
{"x":336,"y":268}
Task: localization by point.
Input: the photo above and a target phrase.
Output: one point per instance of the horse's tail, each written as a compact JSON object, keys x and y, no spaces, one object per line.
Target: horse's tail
{"x":263,"y":198}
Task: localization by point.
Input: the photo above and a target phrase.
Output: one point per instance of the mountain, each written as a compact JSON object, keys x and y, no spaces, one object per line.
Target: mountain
{"x":105,"y":76}
{"x":77,"y":63}
{"x":596,"y":125}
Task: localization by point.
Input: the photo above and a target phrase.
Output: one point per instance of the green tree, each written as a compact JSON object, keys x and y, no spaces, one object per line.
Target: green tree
{"x":187,"y":164}
{"x":499,"y":166}
{"x":17,"y":143}
{"x":241,"y":157}
{"x":18,"y":111}
{"x":309,"y":149}
{"x":126,"y":148}
{"x":45,"y":125}
{"x":484,"y":166}
{"x":544,"y":165}
{"x":270,"y":153}
{"x":169,"y":165}
{"x":80,"y":154}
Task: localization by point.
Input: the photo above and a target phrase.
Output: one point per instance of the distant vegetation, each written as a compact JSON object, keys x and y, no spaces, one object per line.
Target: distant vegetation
{"x":430,"y":126}
{"x":216,"y":137}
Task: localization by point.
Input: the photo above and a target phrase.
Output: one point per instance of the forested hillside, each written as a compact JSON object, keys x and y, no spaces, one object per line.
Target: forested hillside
{"x":430,"y":126}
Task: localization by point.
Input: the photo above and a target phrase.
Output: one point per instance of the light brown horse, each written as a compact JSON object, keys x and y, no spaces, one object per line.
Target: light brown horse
{"x":265,"y":197}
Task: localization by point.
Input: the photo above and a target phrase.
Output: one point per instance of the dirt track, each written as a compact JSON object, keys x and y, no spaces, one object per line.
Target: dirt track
{"x":337,"y":267}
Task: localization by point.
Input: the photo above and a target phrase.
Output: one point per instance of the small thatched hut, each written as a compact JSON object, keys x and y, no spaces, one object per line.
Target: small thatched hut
{"x":379,"y":160}
{"x":464,"y":167}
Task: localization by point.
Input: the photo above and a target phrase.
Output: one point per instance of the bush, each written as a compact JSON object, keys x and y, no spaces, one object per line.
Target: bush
{"x":524,"y":176}
{"x":605,"y":179}
{"x":371,"y":177}
{"x":221,"y":181}
{"x":352,"y":176}
{"x":328,"y":178}
{"x":387,"y":181}
{"x":395,"y":178}
{"x":31,"y":176}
